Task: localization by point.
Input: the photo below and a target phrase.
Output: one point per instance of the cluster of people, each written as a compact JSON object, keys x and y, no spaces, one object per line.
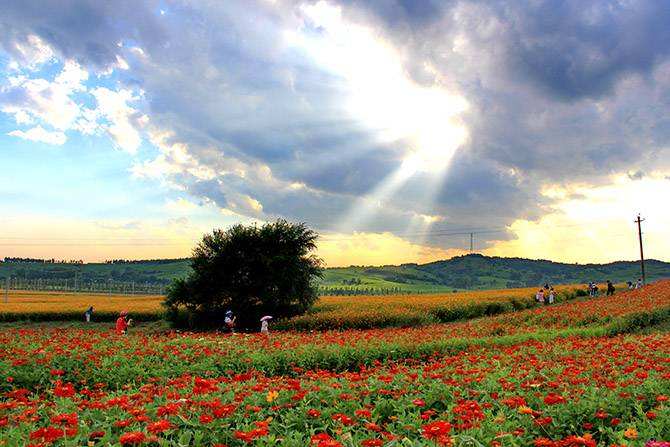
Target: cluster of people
{"x":546,"y":295}
{"x":124,"y":322}
{"x":594,"y":290}
{"x":230,"y":318}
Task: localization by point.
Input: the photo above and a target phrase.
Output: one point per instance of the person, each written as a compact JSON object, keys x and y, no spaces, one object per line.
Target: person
{"x":630,"y":285}
{"x":552,"y":295}
{"x":539,"y":297}
{"x":88,"y":314}
{"x":122,"y":323}
{"x":590,"y":288}
{"x":610,"y":288}
{"x":229,"y":320}
{"x":264,"y":327}
{"x":638,"y":285}
{"x":546,"y":286}
{"x":595,"y":289}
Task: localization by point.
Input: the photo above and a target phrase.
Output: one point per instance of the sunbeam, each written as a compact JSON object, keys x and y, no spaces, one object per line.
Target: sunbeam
{"x":383,"y":97}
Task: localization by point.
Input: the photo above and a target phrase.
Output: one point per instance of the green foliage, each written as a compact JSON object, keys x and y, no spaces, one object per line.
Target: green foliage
{"x":250,"y":270}
{"x":74,"y":315}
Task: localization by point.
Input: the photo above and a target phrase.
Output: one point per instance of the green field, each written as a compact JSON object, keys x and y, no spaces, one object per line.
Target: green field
{"x":471,"y":272}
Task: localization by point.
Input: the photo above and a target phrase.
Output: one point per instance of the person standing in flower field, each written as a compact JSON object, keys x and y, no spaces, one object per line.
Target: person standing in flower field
{"x":122,"y":323}
{"x":229,"y":321}
{"x":88,"y":314}
{"x":264,"y":325}
{"x":552,"y":295}
{"x":610,"y":288}
{"x":539,"y":297}
{"x":638,"y":285}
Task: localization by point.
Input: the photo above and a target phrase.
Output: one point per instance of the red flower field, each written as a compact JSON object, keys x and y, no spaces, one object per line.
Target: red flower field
{"x":550,"y":376}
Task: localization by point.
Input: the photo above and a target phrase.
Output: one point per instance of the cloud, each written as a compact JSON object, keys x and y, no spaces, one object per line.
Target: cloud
{"x":122,"y":120}
{"x":268,"y":109}
{"x":30,"y":52}
{"x":50,"y":102}
{"x":60,"y":103}
{"x":38,"y":134}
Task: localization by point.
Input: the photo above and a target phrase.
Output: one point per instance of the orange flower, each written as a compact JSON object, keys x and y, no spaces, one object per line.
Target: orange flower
{"x":630,"y":433}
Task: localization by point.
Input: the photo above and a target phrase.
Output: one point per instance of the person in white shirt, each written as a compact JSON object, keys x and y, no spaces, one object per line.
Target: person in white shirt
{"x":539,"y":297}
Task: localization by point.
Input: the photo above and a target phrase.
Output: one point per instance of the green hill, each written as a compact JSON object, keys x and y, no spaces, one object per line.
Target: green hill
{"x":483,"y":272}
{"x":463,"y":272}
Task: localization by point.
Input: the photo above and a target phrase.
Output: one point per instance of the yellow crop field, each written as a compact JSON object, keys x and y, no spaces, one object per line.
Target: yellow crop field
{"x":368,"y":311}
{"x":330,"y":312}
{"x":40,"y":305}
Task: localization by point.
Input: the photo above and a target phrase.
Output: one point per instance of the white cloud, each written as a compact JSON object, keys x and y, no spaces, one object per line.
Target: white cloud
{"x":121,"y":118}
{"x":49,"y":102}
{"x":32,"y":52}
{"x":39,"y":134}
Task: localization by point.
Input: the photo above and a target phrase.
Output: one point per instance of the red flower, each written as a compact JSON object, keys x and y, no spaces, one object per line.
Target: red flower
{"x":365,"y":414}
{"x":48,"y":434}
{"x":206,"y":419}
{"x":159,"y":426}
{"x":553,"y":399}
{"x":544,"y":420}
{"x":132,"y":438}
{"x":436,"y":429}
{"x":372,"y":443}
{"x":63,"y":389}
{"x":96,"y":435}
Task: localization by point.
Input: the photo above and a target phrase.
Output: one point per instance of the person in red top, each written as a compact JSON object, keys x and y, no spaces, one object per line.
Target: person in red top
{"x":122,"y":323}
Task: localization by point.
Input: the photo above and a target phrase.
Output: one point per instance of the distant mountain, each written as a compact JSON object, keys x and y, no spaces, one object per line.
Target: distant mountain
{"x":472,"y":271}
{"x":476,"y":271}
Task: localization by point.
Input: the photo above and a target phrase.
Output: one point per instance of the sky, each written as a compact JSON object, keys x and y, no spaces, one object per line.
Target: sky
{"x":394,"y":128}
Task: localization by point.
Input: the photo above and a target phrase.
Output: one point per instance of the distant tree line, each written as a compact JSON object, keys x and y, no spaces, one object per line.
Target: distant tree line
{"x":348,"y":291}
{"x":41,"y":261}
{"x":144,"y":261}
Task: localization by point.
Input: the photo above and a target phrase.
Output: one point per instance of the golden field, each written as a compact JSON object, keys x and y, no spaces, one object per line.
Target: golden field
{"x":330,"y":312}
{"x":369,"y":311}
{"x":42,"y":305}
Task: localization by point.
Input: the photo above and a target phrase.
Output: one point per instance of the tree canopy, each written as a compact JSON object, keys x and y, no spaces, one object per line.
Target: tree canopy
{"x":251,"y":270}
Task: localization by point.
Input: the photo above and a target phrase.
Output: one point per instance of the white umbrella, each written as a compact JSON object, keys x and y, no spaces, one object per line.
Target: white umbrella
{"x":267,"y":317}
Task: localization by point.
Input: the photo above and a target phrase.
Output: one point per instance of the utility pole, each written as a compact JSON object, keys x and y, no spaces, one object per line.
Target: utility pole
{"x":639,"y":234}
{"x":472,"y":237}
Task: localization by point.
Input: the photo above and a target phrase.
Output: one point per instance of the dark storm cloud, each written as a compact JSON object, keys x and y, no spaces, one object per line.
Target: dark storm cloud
{"x":559,"y":91}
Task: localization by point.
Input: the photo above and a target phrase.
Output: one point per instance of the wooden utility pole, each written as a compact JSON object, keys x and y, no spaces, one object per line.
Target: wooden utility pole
{"x":639,"y":234}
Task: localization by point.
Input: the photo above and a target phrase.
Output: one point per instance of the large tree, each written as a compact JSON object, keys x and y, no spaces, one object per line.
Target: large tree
{"x":250,"y":270}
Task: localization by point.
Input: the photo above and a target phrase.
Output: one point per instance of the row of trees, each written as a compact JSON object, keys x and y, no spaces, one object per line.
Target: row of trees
{"x":41,"y":261}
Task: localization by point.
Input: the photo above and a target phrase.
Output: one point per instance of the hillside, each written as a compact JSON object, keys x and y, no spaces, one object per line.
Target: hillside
{"x":483,"y":272}
{"x":464,"y":272}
